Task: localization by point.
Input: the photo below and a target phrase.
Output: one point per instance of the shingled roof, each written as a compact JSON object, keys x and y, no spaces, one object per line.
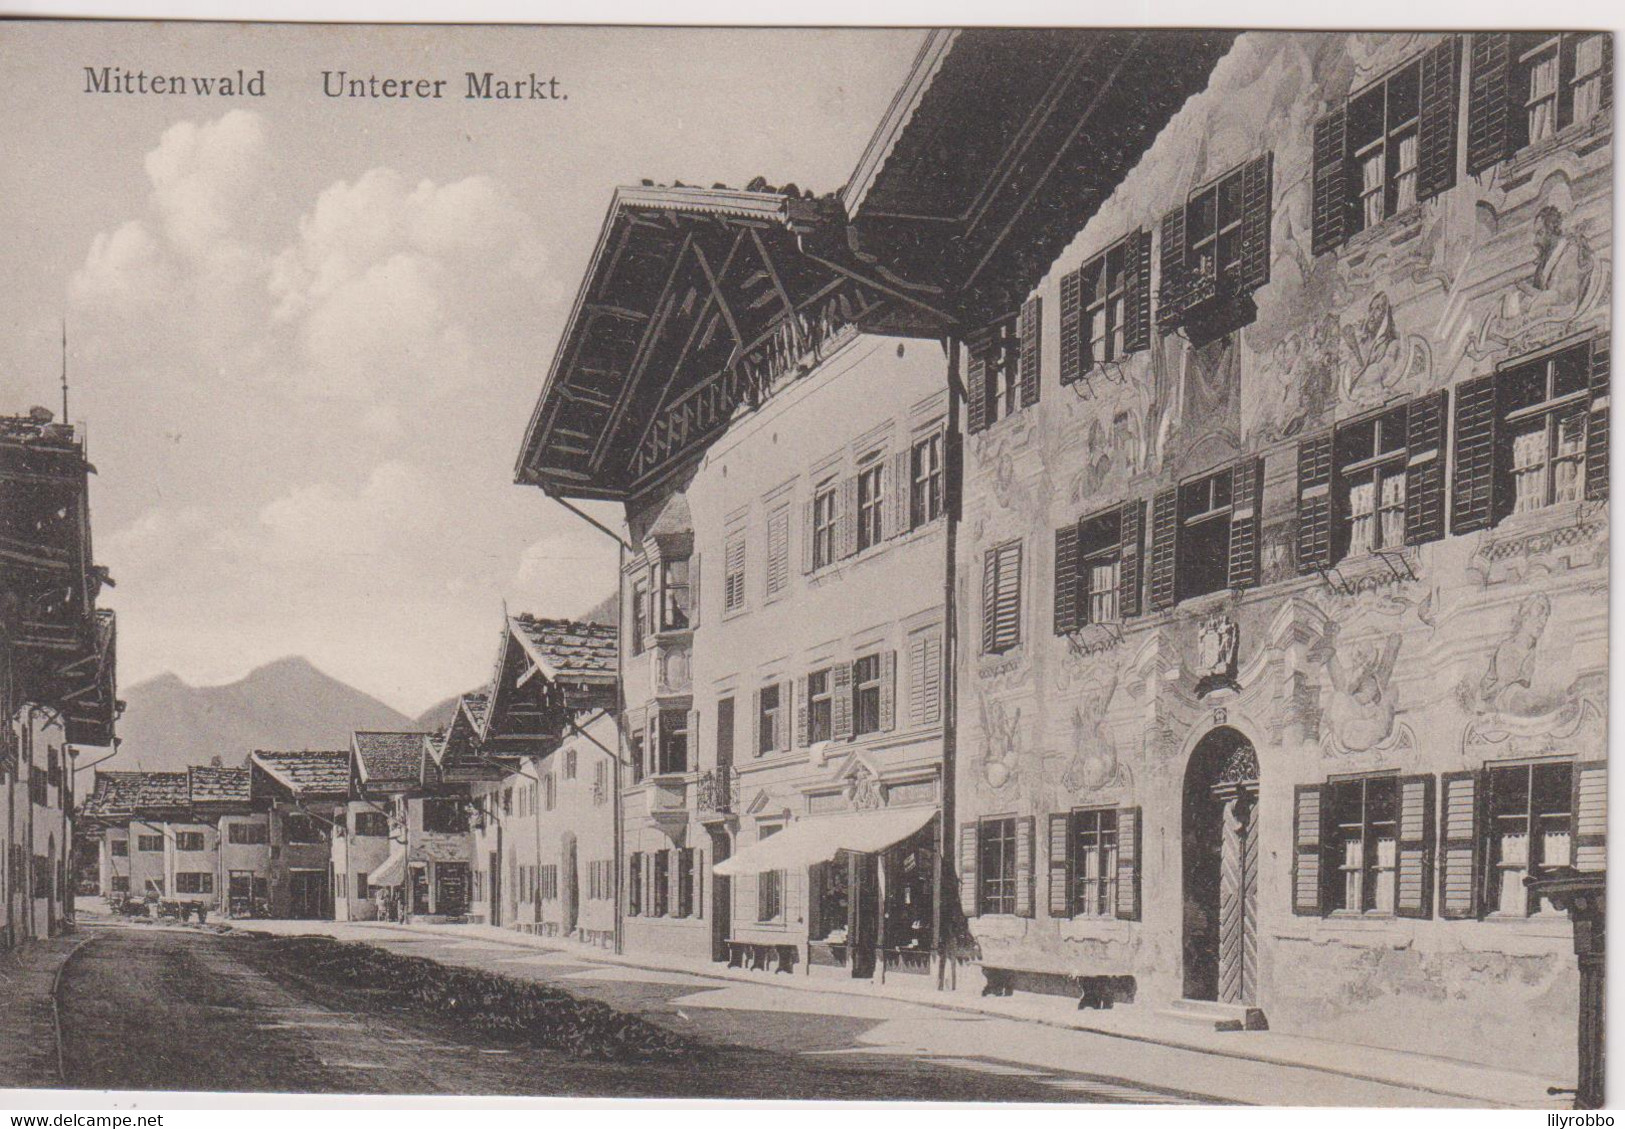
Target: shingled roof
{"x":308,"y":772}
{"x":164,"y":790}
{"x":388,"y":757}
{"x":113,"y":796}
{"x":567,"y":650}
{"x":211,"y":784}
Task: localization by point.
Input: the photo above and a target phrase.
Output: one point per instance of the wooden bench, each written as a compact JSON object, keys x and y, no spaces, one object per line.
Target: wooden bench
{"x":758,"y":956}
{"x":1090,"y":991}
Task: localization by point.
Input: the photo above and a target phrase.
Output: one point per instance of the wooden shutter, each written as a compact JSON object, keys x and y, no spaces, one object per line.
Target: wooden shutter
{"x":1137,"y":299}
{"x":1590,"y":808}
{"x":734,"y":581}
{"x":990,"y":600}
{"x":846,"y":523}
{"x":651,"y":742}
{"x":1128,"y":863}
{"x":807,"y":535}
{"x":802,"y":734}
{"x":976,"y":387}
{"x":1060,"y":865}
{"x":1315,"y":503}
{"x":1066,"y":579}
{"x":931,"y":678}
{"x":1436,"y":120}
{"x":1024,"y":866}
{"x":1175,"y":274}
{"x":1164,"y":547}
{"x":1597,"y":425}
{"x":1425,"y":434}
{"x":1472,"y":492}
{"x":1413,"y":867}
{"x":888,"y":690}
{"x":1458,"y":845}
{"x":840,"y":701}
{"x":967,"y":868}
{"x":1306,"y":850}
{"x":897,"y":518}
{"x":1489,"y":103}
{"x":1607,"y":71}
{"x":1256,"y":200}
{"x":725,"y":733}
{"x":917,"y":678}
{"x":781,"y":731}
{"x":693,"y":756}
{"x":1131,"y":526}
{"x":1032,"y":330}
{"x":777,"y":573}
{"x":756,"y":722}
{"x":1072,"y":366}
{"x":1247,"y":498}
{"x":1329,"y":224}
{"x":1007,"y":618}
{"x":694,"y":588}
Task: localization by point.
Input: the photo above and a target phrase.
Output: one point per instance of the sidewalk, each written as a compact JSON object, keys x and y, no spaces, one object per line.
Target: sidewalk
{"x":28,"y":1035}
{"x":1456,"y":1081}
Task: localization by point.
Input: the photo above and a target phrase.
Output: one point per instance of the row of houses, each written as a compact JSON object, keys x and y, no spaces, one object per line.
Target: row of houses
{"x":57,"y":667}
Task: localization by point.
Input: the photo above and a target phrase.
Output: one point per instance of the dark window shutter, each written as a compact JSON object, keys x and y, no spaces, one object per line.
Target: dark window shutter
{"x":990,"y":600}
{"x":1247,"y":504}
{"x":807,"y":536}
{"x":1128,"y":863}
{"x":1489,"y":100}
{"x":725,"y":732}
{"x":1436,"y":121}
{"x":1425,"y":424}
{"x":1458,"y":845}
{"x":1590,"y":808}
{"x":1032,"y":330}
{"x":1164,"y":547}
{"x":1315,"y":503}
{"x":1066,"y":580}
{"x":1060,"y":865}
{"x":1607,"y":71}
{"x":1137,"y":300}
{"x":1131,"y":523}
{"x":1175,"y":275}
{"x":1306,"y":850}
{"x":1072,"y":365}
{"x":1025,"y":847}
{"x":1472,"y":502}
{"x":803,"y":733}
{"x":1413,"y":865}
{"x":840,"y":701}
{"x":967,"y":868}
{"x":1256,"y":203}
{"x":976,"y":387}
{"x":1329,"y":220}
{"x":1597,"y":425}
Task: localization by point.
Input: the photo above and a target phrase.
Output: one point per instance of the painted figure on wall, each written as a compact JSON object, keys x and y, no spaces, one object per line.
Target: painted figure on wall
{"x":1360,"y":713}
{"x":1094,"y":764}
{"x":1001,"y":743}
{"x":1564,"y":284}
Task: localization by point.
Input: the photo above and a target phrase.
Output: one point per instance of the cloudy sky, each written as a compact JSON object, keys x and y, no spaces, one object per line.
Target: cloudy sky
{"x":305,"y":333}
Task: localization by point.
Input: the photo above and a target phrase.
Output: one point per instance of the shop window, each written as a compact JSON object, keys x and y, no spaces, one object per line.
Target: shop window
{"x":673,"y":742}
{"x":871,"y":503}
{"x":925,"y":473}
{"x":189,"y":840}
{"x":830,"y":899}
{"x":1001,"y":598}
{"x":1532,"y":435}
{"x":1527,"y":87}
{"x":820,"y":707}
{"x":686,"y":865}
{"x":996,"y":866}
{"x":120,"y":848}
{"x":777,"y":577}
{"x":640,"y":615}
{"x":1391,"y":146}
{"x":149,"y":843}
{"x":674,"y":595}
{"x":824,"y":521}
{"x":769,"y":885}
{"x":733,"y":582}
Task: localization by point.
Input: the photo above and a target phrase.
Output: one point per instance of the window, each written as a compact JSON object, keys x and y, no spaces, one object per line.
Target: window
{"x":547,"y":882}
{"x":1527,"y":87}
{"x":445,"y":814}
{"x":725,"y":733}
{"x":297,"y":827}
{"x":53,"y":766}
{"x":640,"y":614}
{"x":925,"y":470}
{"x":189,"y":840}
{"x":1529,"y":829}
{"x":1545,"y":407}
{"x":1215,"y":252}
{"x":769,"y":720}
{"x":569,"y":764}
{"x":778,"y":550}
{"x":1105,"y":297}
{"x":1204,"y":535}
{"x":507,"y":800}
{"x":820,"y":704}
{"x":249,"y":834}
{"x":120,"y":848}
{"x":635,"y":743}
{"x":871,"y":493}
{"x":1093,"y":838}
{"x":1371,"y":460}
{"x":550,"y":792}
{"x":1382,"y":126}
{"x":662,"y":883}
{"x":600,"y":783}
{"x":733,"y":588}
{"x":121,"y":883}
{"x":1363,"y":818}
{"x":674,"y":595}
{"x":673,"y":741}
{"x":824,"y":513}
{"x":996,"y":865}
{"x":866,"y":687}
{"x":1101,"y":565}
{"x":194,"y":882}
{"x":373,"y":824}
{"x":686,"y":862}
{"x":149,"y":843}
{"x":362,"y":890}
{"x":1001,"y":598}
{"x":769,"y":885}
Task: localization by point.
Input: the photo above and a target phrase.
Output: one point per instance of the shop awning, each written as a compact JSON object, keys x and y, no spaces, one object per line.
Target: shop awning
{"x":809,"y":841}
{"x":393,"y":872}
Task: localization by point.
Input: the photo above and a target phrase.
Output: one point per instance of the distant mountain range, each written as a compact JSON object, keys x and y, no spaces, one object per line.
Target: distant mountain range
{"x":287,"y":704}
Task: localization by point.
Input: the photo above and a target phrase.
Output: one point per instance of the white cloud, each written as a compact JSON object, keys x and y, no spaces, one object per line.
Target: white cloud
{"x":565,"y":573}
{"x":205,"y":178}
{"x":396,"y":504}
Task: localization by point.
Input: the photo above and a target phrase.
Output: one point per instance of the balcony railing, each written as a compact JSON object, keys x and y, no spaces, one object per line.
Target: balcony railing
{"x":716,"y":792}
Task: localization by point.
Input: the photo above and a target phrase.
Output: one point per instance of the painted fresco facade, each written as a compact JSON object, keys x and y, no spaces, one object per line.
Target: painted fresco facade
{"x":1312,"y":658}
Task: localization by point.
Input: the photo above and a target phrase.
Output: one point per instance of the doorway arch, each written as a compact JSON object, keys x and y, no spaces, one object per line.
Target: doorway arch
{"x":1220,"y":863}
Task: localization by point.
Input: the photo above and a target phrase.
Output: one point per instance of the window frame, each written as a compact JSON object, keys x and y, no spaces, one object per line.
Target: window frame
{"x":1001,"y":586}
{"x":144,"y":843}
{"x":675,"y":601}
{"x":820,"y":705}
{"x":1186,"y":543}
{"x":185,"y":839}
{"x":1003,"y":369}
{"x":925,"y":479}
{"x":640,"y":614}
{"x":1103,"y":895}
{"x":735,"y":571}
{"x":996,"y":886}
{"x":1388,"y":140}
{"x":826,"y":511}
{"x":1101,"y":299}
{"x":1492,"y":845}
{"x":865,"y":689}
{"x":363,"y":819}
{"x":1359,"y":876}
{"x":1384,"y":464}
{"x":871,"y":501}
{"x":670,"y":725}
{"x":769,"y":718}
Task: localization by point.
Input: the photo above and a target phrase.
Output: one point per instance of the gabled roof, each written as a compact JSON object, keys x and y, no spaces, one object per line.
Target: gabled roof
{"x":307,"y":773}
{"x":567,"y":651}
{"x":388,"y":757}
{"x":211,"y":784}
{"x":113,"y":795}
{"x":163,"y":791}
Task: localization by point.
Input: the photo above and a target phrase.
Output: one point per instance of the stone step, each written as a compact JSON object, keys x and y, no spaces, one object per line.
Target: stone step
{"x":1217,"y":1016}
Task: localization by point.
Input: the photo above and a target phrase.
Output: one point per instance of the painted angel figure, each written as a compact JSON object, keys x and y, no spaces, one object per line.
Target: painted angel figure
{"x":1361,"y":712}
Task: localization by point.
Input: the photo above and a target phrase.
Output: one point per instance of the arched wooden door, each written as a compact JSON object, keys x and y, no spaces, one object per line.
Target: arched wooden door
{"x":1221,"y":859}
